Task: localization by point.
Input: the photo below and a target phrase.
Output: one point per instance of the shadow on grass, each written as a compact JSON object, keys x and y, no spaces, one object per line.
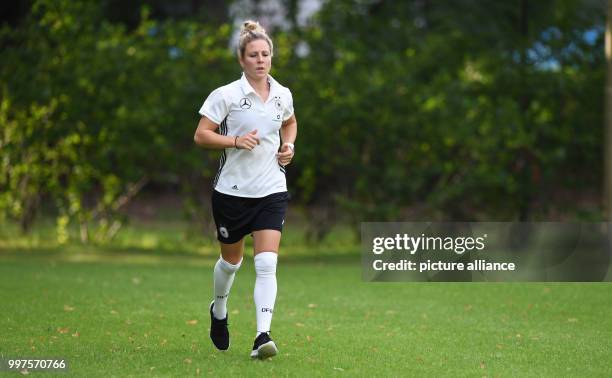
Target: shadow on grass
{"x":97,"y":254}
{"x":115,"y":254}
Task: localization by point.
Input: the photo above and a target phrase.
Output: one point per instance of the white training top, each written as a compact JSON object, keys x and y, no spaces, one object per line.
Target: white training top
{"x":238,"y":109}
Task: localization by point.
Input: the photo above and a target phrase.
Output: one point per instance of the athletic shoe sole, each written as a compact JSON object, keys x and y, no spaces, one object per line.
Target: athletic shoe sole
{"x":264,"y":351}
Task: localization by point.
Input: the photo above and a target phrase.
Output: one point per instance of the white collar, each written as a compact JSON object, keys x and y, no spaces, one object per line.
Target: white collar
{"x":247,"y":88}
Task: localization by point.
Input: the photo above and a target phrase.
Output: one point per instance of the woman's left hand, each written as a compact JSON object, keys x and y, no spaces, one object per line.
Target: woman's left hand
{"x":285,"y":155}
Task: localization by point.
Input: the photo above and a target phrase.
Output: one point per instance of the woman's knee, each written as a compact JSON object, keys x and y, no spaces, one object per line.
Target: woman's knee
{"x":266,"y":241}
{"x":232,"y":253}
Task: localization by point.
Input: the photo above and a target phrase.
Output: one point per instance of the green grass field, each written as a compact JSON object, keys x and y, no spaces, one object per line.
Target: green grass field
{"x":139,"y":307}
{"x":144,"y":315}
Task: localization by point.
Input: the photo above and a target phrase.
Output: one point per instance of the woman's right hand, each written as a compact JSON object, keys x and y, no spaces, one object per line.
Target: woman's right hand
{"x":248,"y":141}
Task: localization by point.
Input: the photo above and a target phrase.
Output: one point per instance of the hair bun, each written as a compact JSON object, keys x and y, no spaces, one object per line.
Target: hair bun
{"x":252,"y":26}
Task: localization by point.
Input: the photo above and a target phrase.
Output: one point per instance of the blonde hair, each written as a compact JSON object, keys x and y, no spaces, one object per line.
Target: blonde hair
{"x":251,"y":31}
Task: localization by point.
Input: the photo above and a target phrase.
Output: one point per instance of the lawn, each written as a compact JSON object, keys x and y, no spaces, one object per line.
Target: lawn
{"x":145,"y":314}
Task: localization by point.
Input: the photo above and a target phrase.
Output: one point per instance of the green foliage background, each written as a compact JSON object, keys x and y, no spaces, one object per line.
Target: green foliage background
{"x":460,"y":110}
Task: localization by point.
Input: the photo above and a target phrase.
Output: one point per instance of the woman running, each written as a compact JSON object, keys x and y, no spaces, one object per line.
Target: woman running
{"x":252,"y":120}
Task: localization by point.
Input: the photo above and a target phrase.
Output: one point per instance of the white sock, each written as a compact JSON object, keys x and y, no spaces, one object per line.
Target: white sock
{"x":265,"y":289}
{"x":224,"y":274}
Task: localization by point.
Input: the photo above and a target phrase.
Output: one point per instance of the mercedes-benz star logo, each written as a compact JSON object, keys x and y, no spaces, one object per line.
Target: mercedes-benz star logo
{"x":245,"y":103}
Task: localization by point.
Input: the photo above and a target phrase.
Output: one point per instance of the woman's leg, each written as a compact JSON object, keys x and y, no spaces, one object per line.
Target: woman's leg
{"x":266,"y":243}
{"x":224,"y":273}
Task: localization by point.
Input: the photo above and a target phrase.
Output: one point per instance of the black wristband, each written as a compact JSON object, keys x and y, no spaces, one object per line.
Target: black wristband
{"x":236,"y":145}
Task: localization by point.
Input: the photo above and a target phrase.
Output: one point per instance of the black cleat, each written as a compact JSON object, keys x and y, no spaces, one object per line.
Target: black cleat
{"x":264,"y":347}
{"x":218,"y":331}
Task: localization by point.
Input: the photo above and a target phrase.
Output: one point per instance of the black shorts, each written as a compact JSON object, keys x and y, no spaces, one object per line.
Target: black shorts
{"x":236,"y":217}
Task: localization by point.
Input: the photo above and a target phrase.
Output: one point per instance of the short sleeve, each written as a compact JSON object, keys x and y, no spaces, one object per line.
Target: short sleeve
{"x":288,"y":112}
{"x":215,"y":107}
